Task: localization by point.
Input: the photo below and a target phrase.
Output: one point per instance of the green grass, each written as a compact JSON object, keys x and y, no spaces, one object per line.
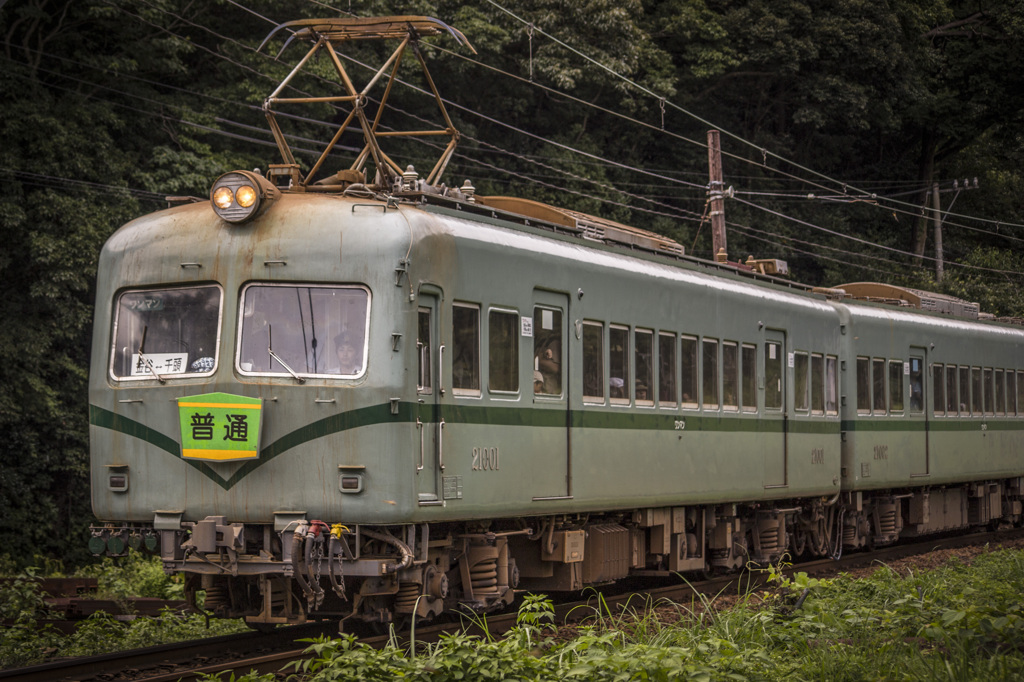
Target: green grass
{"x":957,"y":622}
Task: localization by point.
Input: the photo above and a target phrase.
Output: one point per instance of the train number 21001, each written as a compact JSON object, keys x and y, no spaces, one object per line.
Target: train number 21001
{"x":485,"y":459}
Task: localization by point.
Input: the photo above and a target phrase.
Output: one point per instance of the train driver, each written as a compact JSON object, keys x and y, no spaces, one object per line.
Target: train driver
{"x":347,"y":355}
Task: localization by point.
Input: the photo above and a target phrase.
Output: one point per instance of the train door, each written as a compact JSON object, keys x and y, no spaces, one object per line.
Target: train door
{"x":429,"y":423}
{"x":916,"y":410}
{"x":776,"y":410}
{"x":548,"y":341}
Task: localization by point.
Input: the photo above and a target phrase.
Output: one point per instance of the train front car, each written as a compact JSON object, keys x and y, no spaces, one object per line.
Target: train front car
{"x":245,"y":378}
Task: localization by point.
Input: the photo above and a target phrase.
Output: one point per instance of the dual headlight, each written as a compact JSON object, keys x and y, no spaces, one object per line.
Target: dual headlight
{"x":240,"y":195}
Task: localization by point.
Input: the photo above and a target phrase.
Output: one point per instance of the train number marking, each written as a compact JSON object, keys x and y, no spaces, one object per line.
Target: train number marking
{"x":817,"y":455}
{"x":881,"y":452}
{"x":680,"y":424}
{"x":485,"y":459}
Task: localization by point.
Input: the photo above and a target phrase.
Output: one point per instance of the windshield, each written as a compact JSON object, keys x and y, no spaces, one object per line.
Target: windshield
{"x":161,"y":333}
{"x":303,"y":330}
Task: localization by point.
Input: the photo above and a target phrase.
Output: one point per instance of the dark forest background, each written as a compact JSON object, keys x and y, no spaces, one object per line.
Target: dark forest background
{"x":838,"y":117}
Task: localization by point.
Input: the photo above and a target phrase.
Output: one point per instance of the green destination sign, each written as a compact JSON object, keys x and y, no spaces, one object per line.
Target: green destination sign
{"x":220,"y":427}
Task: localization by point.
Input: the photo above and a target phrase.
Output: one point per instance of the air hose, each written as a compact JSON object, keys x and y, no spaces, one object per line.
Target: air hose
{"x":403,"y":548}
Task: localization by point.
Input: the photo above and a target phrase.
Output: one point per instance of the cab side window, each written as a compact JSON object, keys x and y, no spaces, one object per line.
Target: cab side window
{"x":465,"y":349}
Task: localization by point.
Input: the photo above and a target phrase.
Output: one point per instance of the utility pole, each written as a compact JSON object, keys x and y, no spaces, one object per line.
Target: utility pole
{"x":937,"y":220}
{"x":716,"y":197}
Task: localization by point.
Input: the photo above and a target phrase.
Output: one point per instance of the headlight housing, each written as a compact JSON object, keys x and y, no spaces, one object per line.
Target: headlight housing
{"x":241,"y":195}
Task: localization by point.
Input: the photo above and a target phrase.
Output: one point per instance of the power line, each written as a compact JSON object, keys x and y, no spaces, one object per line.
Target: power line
{"x":520,"y":131}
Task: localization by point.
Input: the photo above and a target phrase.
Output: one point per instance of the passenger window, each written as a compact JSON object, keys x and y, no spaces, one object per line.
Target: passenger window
{"x":749,"y":377}
{"x":951,"y":401}
{"x":423,"y":346}
{"x":895,"y":386}
{"x":989,"y":400}
{"x":166,"y":333}
{"x":618,"y":365}
{"x":976,"y":403}
{"x":1000,"y":392}
{"x":801,"y":385}
{"x":863,"y":385}
{"x":667,"y":370}
{"x":1020,"y":392}
{"x":772,"y":376}
{"x":688,"y":362}
{"x":503,"y":351}
{"x":831,"y":385}
{"x":878,"y":385}
{"x":290,"y":330}
{"x":938,"y":391}
{"x":1011,"y":392}
{"x":709,"y":366}
{"x":644,"y":343}
{"x":465,"y":349}
{"x":964,"y":395}
{"x":730,"y":376}
{"x":593,"y":362}
{"x":817,"y":384}
{"x":547,"y":351}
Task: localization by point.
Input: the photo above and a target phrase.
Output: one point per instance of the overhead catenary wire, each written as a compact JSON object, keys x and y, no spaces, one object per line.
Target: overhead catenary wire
{"x":846,"y":186}
{"x":596,"y":159}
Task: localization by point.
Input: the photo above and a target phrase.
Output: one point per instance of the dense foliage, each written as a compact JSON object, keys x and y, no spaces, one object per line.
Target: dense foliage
{"x":27,"y":638}
{"x":110,"y":105}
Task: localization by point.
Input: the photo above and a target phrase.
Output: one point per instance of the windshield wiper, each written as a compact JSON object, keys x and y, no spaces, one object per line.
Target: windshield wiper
{"x":270,"y":349}
{"x":142,"y":356}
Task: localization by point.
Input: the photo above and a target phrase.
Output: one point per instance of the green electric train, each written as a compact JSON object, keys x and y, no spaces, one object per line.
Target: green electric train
{"x":387,"y":399}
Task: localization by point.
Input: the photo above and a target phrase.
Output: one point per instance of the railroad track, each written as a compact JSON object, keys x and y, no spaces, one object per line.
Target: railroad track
{"x":267,"y":653}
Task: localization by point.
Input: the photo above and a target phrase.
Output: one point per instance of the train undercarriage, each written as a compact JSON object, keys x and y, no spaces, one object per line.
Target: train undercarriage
{"x":298,"y":569}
